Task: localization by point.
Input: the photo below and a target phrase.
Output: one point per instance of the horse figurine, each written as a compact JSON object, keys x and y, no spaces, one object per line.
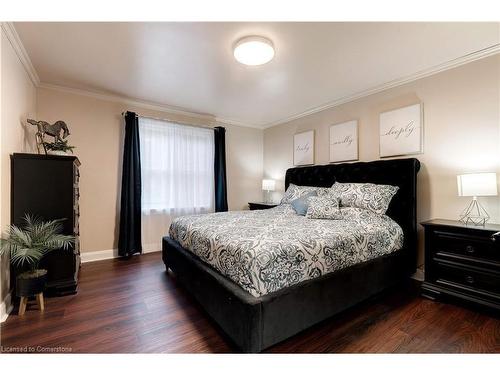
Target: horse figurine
{"x":53,"y":130}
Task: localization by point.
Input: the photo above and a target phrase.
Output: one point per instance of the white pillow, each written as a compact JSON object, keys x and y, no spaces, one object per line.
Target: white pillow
{"x":295,"y":191}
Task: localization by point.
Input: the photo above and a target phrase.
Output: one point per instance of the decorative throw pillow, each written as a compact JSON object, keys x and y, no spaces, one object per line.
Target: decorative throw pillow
{"x":301,"y":204}
{"x":323,"y":207}
{"x":295,"y":191}
{"x":323,"y":191}
{"x":369,"y":196}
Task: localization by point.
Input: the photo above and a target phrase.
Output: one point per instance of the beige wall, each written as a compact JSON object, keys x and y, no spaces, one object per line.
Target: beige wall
{"x":97,"y":131}
{"x":461,"y":122}
{"x":18,"y":102}
{"x":461,"y":134}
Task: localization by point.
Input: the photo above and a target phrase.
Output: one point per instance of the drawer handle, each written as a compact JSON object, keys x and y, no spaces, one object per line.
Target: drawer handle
{"x":470,"y":249}
{"x":495,"y":237}
{"x":469,"y":279}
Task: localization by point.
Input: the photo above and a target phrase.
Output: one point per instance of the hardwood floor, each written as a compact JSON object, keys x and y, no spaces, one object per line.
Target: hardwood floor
{"x":134,"y":306}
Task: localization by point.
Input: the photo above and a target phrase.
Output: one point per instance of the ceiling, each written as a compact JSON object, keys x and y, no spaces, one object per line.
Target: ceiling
{"x":190,"y":65}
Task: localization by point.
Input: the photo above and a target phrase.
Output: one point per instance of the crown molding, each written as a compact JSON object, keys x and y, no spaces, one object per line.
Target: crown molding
{"x":481,"y":54}
{"x":17,"y":45}
{"x":143,"y":104}
{"x":22,"y":54}
{"x":125,"y":100}
{"x":226,"y":121}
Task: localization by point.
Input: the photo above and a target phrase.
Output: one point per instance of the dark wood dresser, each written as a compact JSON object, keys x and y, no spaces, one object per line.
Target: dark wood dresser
{"x":462,"y":262}
{"x":260,"y":205}
{"x":48,"y":186}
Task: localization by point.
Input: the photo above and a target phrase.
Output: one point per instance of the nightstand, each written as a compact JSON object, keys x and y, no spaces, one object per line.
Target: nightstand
{"x":462,"y":262}
{"x":260,"y":205}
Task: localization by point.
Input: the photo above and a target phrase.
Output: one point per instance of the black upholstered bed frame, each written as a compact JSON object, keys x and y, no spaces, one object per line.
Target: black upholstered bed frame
{"x":254,"y":324}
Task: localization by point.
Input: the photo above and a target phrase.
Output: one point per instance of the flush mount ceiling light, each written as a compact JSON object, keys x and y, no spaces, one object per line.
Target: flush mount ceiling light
{"x":253,"y":50}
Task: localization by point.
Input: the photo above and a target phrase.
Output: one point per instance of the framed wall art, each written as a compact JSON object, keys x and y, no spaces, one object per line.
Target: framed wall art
{"x":303,"y":148}
{"x":401,"y":131}
{"x":344,"y":141}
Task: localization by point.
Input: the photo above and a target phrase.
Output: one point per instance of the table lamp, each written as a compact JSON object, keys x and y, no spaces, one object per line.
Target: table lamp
{"x":268,"y":186}
{"x":476,"y":185}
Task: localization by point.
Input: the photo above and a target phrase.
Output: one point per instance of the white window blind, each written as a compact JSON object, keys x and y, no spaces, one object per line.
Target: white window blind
{"x":177,"y":168}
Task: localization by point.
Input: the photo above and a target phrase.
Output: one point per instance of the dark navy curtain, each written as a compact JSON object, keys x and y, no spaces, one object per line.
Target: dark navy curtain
{"x":220,"y":169}
{"x":129,"y":241}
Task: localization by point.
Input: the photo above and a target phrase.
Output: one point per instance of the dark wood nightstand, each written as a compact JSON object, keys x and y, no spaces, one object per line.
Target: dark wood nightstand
{"x":462,"y":262}
{"x":261,"y":205}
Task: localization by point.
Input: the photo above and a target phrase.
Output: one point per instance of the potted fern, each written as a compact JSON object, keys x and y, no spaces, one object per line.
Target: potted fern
{"x":27,"y":247}
{"x":58,"y":147}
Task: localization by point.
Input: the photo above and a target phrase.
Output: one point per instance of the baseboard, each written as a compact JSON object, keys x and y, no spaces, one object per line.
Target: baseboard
{"x":419,"y":274}
{"x":151,"y":248}
{"x":5,"y":308}
{"x":94,"y":256}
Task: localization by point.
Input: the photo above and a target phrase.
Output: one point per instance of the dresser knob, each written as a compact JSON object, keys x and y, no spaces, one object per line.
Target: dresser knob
{"x":469,"y":249}
{"x":469,"y":279}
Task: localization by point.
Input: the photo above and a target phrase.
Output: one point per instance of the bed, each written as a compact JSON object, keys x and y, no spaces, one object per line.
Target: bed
{"x":258,"y":303}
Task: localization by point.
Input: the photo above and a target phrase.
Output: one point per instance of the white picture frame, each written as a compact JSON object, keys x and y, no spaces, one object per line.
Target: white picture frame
{"x":303,"y":148}
{"x":401,"y":131}
{"x":344,"y":141}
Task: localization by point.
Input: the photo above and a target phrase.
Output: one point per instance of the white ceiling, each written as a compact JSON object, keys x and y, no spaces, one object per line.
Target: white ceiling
{"x":190,"y":65}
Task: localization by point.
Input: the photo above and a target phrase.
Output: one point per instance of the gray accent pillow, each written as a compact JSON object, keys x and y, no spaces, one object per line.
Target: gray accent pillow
{"x":323,"y":207}
{"x":295,"y":191}
{"x":301,"y":204}
{"x":373,"y":197}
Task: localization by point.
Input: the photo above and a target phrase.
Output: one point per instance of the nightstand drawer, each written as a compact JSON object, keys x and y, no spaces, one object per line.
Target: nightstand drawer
{"x":475,"y":279}
{"x":469,"y":246}
{"x":462,"y":263}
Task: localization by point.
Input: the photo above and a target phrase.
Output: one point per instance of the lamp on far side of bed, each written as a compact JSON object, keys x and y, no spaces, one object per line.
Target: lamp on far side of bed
{"x":268,"y":186}
{"x":476,"y":185}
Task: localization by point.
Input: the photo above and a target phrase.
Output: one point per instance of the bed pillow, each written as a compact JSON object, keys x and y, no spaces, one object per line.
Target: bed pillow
{"x":323,"y":207}
{"x":373,"y":197}
{"x":295,"y":191}
{"x":301,"y":204}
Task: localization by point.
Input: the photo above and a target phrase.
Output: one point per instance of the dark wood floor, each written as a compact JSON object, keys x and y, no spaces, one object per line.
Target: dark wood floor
{"x":135,"y":306}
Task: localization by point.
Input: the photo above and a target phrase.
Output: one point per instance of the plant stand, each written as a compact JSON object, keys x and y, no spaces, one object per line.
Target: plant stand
{"x":24,"y":302}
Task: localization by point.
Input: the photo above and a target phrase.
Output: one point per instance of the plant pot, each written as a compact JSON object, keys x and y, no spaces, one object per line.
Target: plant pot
{"x":31,"y":283}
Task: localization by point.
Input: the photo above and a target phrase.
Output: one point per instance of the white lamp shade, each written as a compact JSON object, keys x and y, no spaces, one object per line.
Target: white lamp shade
{"x":268,"y":185}
{"x":477,"y":184}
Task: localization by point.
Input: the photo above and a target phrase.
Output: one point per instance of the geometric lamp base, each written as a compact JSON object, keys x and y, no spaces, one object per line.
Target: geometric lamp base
{"x":474,"y":214}
{"x":267,"y":196}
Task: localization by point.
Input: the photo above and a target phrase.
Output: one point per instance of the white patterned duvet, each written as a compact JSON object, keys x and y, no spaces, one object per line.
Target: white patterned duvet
{"x":267,"y":250}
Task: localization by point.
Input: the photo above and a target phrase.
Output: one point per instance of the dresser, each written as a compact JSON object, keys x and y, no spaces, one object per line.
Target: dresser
{"x":48,"y":186}
{"x":462,"y":263}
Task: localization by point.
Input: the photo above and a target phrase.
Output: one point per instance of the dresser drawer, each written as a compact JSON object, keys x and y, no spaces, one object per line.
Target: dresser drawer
{"x":470,"y":247}
{"x":471,"y":278}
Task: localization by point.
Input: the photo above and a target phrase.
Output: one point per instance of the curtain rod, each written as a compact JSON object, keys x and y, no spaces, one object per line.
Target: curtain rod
{"x":185,"y":123}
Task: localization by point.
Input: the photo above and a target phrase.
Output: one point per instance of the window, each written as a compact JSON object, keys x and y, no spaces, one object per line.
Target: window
{"x":177,"y":168}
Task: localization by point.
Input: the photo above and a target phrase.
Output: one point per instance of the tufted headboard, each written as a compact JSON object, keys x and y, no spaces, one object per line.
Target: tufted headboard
{"x":397,"y":172}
